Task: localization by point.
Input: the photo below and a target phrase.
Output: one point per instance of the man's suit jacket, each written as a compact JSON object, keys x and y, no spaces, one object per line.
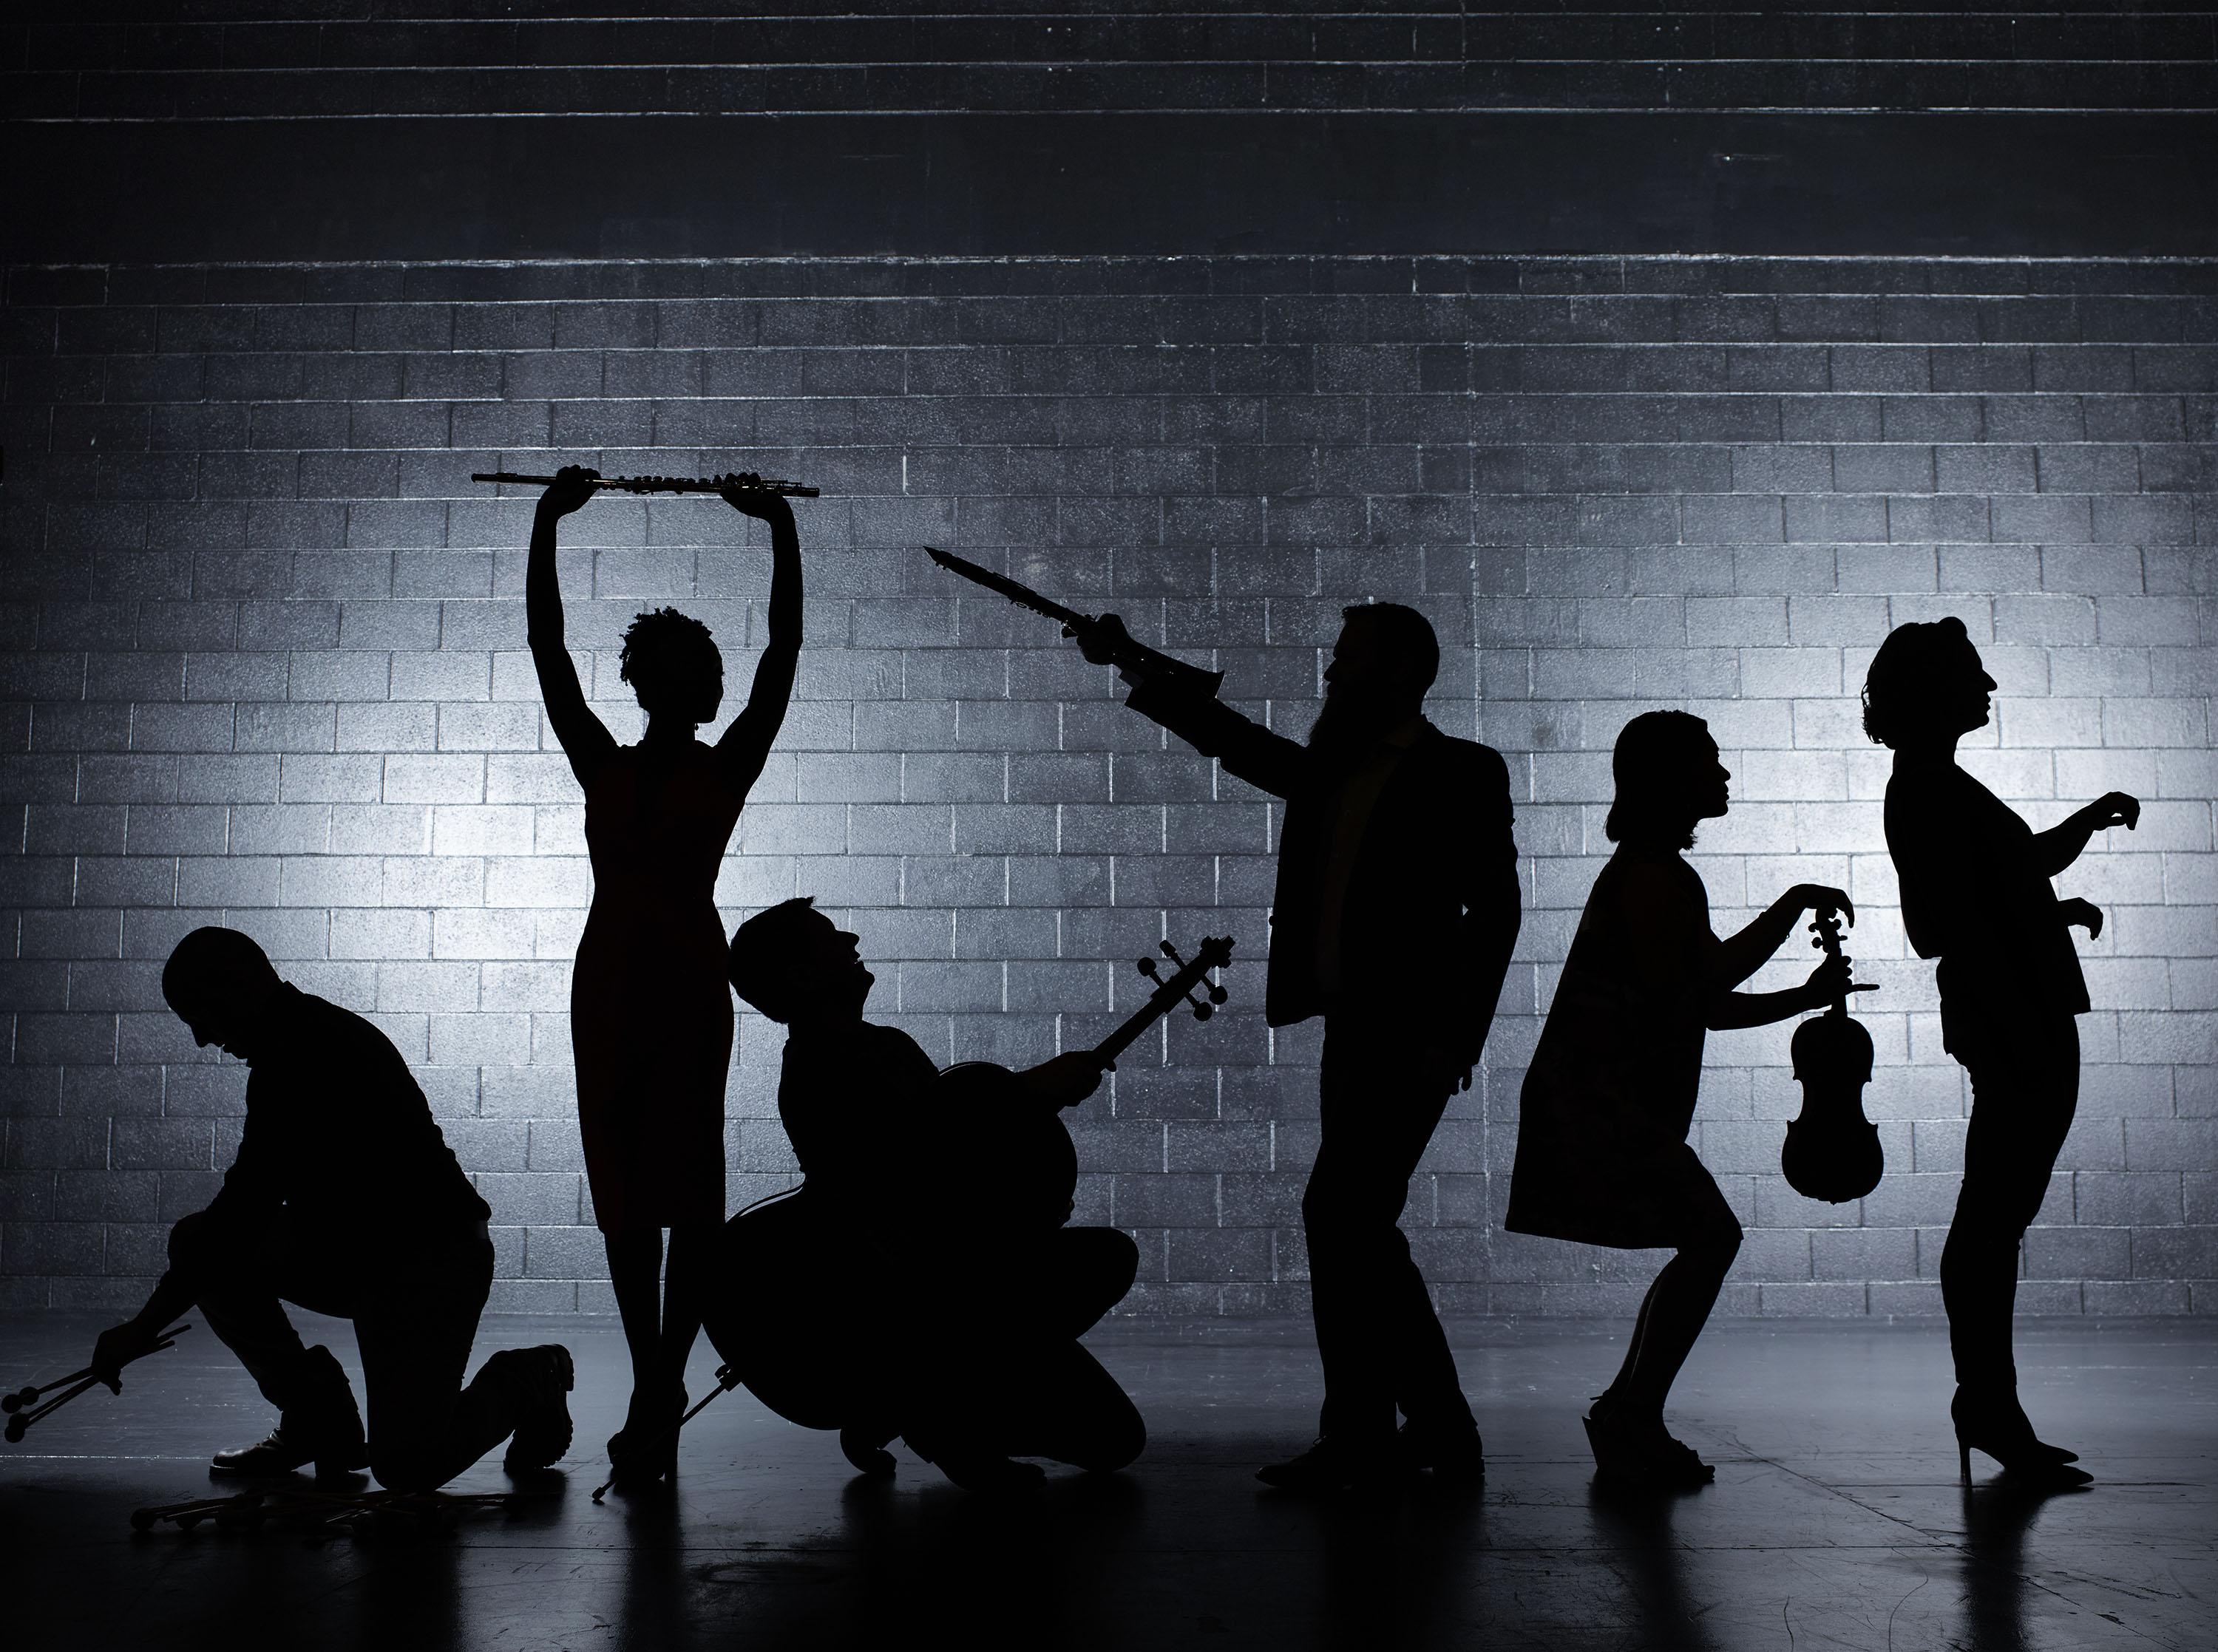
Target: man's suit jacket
{"x":1431,"y":911}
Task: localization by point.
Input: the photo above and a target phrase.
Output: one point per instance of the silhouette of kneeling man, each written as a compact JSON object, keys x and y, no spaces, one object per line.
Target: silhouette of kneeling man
{"x":932,"y":1228}
{"x":345,"y":1199}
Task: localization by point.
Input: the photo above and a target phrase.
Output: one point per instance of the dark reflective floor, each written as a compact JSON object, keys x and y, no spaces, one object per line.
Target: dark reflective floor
{"x":1836,"y":1522}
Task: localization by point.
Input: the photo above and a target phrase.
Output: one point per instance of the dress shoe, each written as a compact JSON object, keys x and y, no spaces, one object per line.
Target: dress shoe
{"x":285,"y":1449}
{"x":1635,"y":1449}
{"x":991,"y":1475}
{"x":540,"y":1380}
{"x":1452,"y":1454}
{"x":1331,"y":1465}
{"x":865,"y":1446}
{"x":320,"y":1424}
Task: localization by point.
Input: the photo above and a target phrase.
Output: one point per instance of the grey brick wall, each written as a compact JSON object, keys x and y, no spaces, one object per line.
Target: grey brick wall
{"x":261,"y":656}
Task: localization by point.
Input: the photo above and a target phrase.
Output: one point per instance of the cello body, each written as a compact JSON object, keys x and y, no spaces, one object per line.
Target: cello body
{"x":786,"y":1320}
{"x":814,"y":1315}
{"x":799,"y":1324}
{"x":1833,"y":1152}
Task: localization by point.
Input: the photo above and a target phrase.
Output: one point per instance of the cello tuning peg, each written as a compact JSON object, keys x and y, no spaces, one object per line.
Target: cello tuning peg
{"x":1218,"y":994}
{"x":1203,"y":1012}
{"x":1148,"y":968}
{"x":1171,"y":953}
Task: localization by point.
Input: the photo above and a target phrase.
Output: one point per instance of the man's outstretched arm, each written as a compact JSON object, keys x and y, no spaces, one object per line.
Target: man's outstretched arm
{"x":1244,"y":747}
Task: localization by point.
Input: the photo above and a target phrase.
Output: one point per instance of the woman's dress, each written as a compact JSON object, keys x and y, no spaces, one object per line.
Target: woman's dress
{"x":1602,"y":1136}
{"x":650,"y":1008}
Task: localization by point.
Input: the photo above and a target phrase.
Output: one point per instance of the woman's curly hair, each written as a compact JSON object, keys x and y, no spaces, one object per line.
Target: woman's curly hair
{"x":663,"y":649}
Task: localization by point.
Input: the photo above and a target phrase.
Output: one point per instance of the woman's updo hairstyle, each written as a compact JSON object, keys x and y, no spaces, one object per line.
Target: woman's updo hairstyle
{"x":671,"y":662}
{"x":1651,"y":762}
{"x":1912,"y":674}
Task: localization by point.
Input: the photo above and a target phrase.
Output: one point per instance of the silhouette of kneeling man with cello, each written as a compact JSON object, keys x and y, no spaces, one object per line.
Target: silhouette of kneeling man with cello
{"x":922,"y":1281}
{"x":344,"y":1198}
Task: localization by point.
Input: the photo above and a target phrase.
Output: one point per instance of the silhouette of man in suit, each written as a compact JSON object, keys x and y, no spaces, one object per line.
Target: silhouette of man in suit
{"x":980,"y":1285}
{"x":345,"y":1198}
{"x":1395,"y":911}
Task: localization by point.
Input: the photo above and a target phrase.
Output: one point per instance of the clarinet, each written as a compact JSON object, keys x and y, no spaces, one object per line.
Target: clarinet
{"x":731,"y":482}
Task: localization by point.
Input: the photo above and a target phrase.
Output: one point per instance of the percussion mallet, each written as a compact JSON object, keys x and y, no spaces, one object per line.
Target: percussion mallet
{"x":23,"y":1407}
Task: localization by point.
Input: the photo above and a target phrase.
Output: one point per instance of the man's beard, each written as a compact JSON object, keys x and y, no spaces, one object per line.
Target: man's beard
{"x":1348,"y":725}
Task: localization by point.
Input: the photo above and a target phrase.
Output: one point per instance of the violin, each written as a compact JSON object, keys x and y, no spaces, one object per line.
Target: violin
{"x":1832,"y":1151}
{"x":1019,"y":1170}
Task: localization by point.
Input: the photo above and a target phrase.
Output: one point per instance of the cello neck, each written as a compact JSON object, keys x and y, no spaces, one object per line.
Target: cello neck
{"x":1169,"y":990}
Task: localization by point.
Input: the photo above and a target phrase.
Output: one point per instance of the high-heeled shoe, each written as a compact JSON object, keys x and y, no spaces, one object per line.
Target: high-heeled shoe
{"x":2005,"y":1416}
{"x":645,"y":1449}
{"x":1639,"y":1450}
{"x":1997,"y":1426}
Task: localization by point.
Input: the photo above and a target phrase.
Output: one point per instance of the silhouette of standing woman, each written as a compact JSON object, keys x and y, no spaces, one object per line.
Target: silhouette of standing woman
{"x":1602,"y":1138}
{"x":1976,"y":895}
{"x":650,"y":1011}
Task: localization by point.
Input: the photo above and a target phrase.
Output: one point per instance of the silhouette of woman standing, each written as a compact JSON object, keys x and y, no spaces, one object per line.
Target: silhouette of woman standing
{"x":1976,"y":895}
{"x":650,"y":1011}
{"x":1602,"y":1138}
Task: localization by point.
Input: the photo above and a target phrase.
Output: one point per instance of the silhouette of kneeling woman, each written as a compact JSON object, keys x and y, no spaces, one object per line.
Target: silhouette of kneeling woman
{"x":1976,"y":895}
{"x":1602,"y":1157}
{"x":650,"y":1013}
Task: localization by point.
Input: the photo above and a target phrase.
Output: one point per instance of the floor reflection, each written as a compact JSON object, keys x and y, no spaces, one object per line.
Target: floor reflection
{"x":1634,"y":1528}
{"x":1841,"y":1540}
{"x":1998,"y":1515}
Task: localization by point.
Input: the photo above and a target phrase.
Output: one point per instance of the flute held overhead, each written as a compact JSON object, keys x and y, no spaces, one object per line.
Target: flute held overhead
{"x":735,"y":481}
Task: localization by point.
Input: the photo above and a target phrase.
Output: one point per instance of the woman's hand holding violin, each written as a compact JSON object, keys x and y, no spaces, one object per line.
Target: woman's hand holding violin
{"x":1819,"y":897}
{"x":1830,"y":980}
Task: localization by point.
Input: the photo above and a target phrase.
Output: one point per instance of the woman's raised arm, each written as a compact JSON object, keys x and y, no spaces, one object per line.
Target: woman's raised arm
{"x":745,"y":747}
{"x":585,"y":738}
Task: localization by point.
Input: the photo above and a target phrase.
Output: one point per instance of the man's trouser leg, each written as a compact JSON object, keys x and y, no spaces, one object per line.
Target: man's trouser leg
{"x":241,"y":1279}
{"x":1377,"y":1337}
{"x":415,"y":1326}
{"x":1083,"y":1273}
{"x":1003,"y":1374}
{"x":1058,"y":1403}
